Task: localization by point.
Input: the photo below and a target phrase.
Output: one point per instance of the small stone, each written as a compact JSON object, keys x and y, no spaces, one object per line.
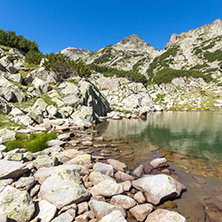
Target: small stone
{"x":99,"y":138}
{"x":103,"y":168}
{"x":87,"y":143}
{"x":113,"y":217}
{"x":47,"y":211}
{"x":138,"y":171}
{"x":64,"y":217}
{"x":126,"y":185}
{"x":35,"y":190}
{"x":82,"y":218}
{"x":140,"y":212}
{"x":123,"y":176}
{"x":139,"y":197}
{"x":82,"y":207}
{"x":159,"y":162}
{"x":123,"y":201}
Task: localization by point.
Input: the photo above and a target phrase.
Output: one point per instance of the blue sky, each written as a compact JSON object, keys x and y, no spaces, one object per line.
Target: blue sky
{"x":55,"y":25}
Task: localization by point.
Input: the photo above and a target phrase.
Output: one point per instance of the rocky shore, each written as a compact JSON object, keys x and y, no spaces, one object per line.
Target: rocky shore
{"x":64,"y":183}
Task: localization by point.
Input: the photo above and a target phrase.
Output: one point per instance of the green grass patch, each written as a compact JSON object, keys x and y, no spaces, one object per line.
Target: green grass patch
{"x":34,"y":143}
{"x":5,"y":122}
{"x":124,"y":111}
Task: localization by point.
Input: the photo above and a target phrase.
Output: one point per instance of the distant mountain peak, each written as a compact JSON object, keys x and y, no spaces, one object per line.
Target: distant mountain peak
{"x":133,"y":39}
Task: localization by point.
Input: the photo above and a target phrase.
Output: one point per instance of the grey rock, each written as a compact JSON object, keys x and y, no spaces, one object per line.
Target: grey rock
{"x":102,"y":209}
{"x":138,"y":171}
{"x":63,"y":187}
{"x":113,"y":217}
{"x":47,"y":211}
{"x":5,"y":107}
{"x":126,"y":185}
{"x":24,"y":183}
{"x":123,"y":201}
{"x":81,"y":159}
{"x":2,"y":148}
{"x":140,"y":212}
{"x":63,"y":217}
{"x":55,"y":143}
{"x":103,"y":168}
{"x":159,"y":162}
{"x":41,"y":85}
{"x":162,"y":215}
{"x":106,"y":188}
{"x":34,"y":190}
{"x":82,"y":207}
{"x":18,"y":205}
{"x":156,"y":187}
{"x":97,"y":177}
{"x":74,"y":53}
{"x":3,"y":218}
{"x":45,"y":161}
{"x":139,"y":197}
{"x":11,"y":169}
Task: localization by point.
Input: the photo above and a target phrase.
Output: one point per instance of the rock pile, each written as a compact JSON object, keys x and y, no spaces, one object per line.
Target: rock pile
{"x":61,"y":184}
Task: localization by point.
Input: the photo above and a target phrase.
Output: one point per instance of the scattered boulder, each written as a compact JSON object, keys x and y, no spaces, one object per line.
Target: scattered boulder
{"x":117,"y":165}
{"x":158,"y":187}
{"x":103,"y":168}
{"x":159,"y":162}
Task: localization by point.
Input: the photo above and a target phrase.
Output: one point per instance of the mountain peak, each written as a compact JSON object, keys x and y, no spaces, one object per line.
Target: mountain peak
{"x":132,"y":39}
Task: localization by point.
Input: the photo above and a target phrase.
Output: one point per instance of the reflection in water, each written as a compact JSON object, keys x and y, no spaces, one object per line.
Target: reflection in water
{"x":197,"y":133}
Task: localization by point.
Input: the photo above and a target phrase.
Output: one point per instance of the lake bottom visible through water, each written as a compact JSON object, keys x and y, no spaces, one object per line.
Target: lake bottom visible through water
{"x":191,"y":143}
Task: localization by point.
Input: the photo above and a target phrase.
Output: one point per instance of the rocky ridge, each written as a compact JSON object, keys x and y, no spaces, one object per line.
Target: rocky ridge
{"x":198,"y":49}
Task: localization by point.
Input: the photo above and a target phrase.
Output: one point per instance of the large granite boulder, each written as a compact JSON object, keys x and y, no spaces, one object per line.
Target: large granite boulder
{"x":162,"y":215}
{"x":17,"y":205}
{"x":64,"y":187}
{"x":157,"y":188}
{"x":6,"y":135}
{"x":93,"y":97}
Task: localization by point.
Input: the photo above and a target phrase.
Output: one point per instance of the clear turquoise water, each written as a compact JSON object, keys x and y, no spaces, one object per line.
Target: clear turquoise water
{"x":196,"y":133}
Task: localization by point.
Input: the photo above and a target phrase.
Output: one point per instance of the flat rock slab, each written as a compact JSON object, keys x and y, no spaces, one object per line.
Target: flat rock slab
{"x":101,"y":209}
{"x":64,"y":217}
{"x":64,"y":187}
{"x":106,"y":188}
{"x":159,"y":162}
{"x":11,"y":169}
{"x":16,"y":204}
{"x":156,"y":187}
{"x":161,"y":215}
{"x":47,"y":211}
{"x":113,"y":217}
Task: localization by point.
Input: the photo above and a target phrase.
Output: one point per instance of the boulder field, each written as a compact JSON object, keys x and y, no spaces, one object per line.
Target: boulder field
{"x":63,"y":183}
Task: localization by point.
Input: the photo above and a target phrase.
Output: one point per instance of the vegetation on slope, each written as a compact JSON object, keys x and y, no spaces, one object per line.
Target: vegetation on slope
{"x":65,"y":67}
{"x":10,"y":39}
{"x":106,"y":71}
{"x":167,"y":75}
